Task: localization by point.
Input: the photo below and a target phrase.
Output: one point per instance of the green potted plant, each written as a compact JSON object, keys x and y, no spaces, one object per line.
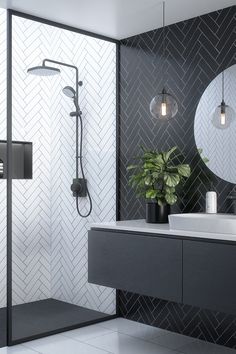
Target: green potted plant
{"x":156,"y":177}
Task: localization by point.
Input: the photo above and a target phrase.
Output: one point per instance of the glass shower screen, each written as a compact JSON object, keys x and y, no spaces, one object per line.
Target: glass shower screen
{"x":3,"y":183}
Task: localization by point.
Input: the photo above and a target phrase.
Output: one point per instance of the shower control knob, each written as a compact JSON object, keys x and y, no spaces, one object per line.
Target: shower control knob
{"x":79,"y":188}
{"x":76,"y":187}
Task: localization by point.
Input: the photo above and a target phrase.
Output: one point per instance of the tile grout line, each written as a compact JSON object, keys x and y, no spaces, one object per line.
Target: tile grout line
{"x":127,"y":335}
{"x":73,"y":340}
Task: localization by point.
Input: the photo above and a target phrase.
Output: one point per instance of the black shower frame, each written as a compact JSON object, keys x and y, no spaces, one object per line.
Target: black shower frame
{"x":10,"y":14}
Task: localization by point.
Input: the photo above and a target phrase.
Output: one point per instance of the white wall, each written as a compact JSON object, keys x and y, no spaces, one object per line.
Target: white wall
{"x":97,"y":66}
{"x":49,"y":238}
{"x":31,"y":121}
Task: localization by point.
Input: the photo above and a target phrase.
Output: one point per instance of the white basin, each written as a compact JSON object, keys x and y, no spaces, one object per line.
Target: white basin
{"x":211,"y":223}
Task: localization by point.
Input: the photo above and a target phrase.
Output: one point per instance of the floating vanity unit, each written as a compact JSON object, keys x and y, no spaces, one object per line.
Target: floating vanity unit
{"x":189,"y":267}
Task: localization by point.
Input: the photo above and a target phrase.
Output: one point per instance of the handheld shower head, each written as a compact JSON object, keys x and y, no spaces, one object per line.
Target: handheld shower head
{"x":69,"y":92}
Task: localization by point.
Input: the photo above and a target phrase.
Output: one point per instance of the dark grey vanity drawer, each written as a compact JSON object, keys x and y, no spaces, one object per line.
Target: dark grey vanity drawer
{"x":138,"y":263}
{"x":209,"y":275}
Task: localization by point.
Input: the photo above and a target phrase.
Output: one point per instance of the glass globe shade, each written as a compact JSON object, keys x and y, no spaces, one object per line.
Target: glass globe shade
{"x":222,"y":120}
{"x":163,"y":106}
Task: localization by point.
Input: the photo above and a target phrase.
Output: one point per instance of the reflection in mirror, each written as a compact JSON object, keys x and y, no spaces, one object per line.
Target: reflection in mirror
{"x":223,"y":115}
{"x":218,"y":146}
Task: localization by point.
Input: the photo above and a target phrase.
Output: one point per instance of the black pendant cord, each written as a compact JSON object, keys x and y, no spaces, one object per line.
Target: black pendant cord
{"x":223,"y":86}
{"x":79,"y":152}
{"x":164,"y":44}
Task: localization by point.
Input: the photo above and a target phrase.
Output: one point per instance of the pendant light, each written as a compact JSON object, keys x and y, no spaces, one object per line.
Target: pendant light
{"x":163,"y":106}
{"x":223,"y":114}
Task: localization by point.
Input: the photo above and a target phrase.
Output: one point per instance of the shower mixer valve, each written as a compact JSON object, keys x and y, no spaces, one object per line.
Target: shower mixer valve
{"x":79,"y":187}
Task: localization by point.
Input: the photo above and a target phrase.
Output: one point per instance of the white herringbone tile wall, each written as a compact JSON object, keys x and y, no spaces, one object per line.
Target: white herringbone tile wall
{"x":49,"y":238}
{"x":3,"y":221}
{"x":97,"y":66}
{"x":31,"y":213}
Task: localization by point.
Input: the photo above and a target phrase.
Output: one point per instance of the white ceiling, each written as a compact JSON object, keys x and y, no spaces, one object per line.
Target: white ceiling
{"x":115,"y":18}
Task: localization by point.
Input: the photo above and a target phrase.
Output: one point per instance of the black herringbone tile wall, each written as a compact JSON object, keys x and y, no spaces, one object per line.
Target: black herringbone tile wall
{"x":197,"y":51}
{"x":203,"y":324}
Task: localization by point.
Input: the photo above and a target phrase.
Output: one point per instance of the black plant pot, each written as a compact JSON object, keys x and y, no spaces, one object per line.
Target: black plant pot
{"x":156,"y":213}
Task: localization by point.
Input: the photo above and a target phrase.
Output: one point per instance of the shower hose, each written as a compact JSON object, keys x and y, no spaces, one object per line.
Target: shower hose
{"x":79,"y":160}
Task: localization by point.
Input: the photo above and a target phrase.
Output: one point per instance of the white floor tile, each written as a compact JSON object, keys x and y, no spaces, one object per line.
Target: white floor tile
{"x":173,"y":340}
{"x":17,"y":349}
{"x":85,"y":333}
{"x":200,"y":347}
{"x":60,"y":344}
{"x":134,"y":329}
{"x":107,"y":338}
{"x":119,"y":343}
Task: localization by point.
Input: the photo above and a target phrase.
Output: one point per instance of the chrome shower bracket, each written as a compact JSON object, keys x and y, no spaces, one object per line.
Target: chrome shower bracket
{"x":74,"y":114}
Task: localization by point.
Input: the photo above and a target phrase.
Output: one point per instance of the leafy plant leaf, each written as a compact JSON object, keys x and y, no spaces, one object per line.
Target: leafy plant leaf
{"x":184,"y":170}
{"x":170,"y":190}
{"x":200,"y":150}
{"x":171,"y":180}
{"x":205,"y":160}
{"x":171,"y":198}
{"x":151,"y":194}
{"x":166,"y":155}
{"x":156,"y":175}
{"x":148,"y":181}
{"x":131,"y":167}
{"x":159,"y":160}
{"x":148,"y":165}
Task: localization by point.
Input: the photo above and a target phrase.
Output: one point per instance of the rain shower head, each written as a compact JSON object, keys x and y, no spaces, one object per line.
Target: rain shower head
{"x":43,"y":70}
{"x":69,"y":91}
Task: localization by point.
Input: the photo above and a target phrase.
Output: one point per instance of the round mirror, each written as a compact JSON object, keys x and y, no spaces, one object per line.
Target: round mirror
{"x":215,"y":125}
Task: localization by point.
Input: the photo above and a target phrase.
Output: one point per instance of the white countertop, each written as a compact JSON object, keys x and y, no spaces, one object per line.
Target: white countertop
{"x":164,"y":229}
